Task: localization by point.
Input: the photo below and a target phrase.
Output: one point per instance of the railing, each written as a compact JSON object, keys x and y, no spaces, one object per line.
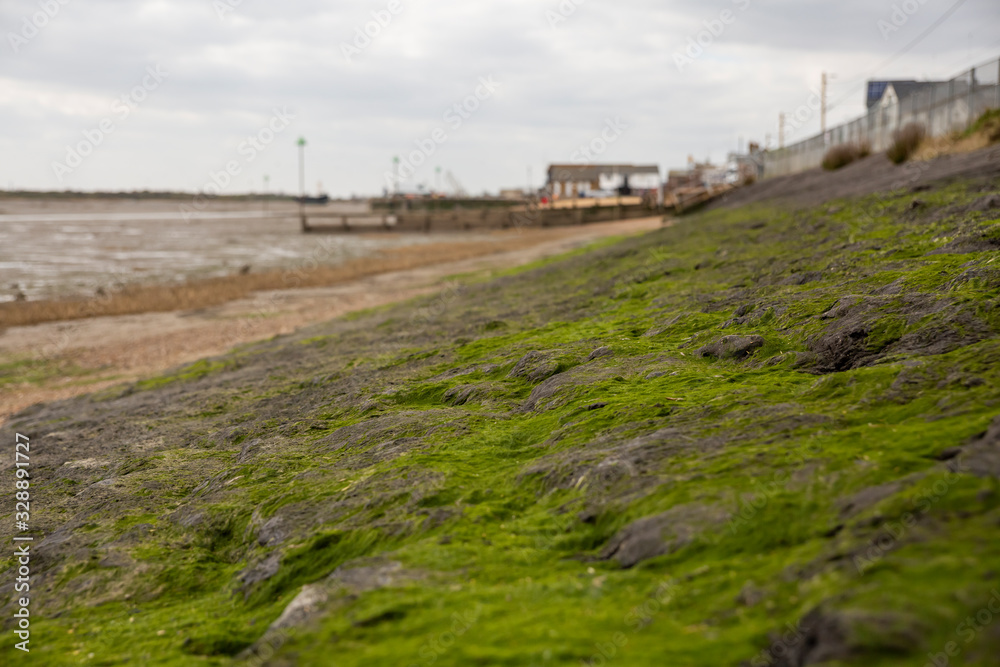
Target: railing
{"x":943,"y":108}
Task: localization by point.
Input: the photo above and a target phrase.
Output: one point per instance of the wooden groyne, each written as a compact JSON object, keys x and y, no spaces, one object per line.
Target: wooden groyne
{"x":529,"y":216}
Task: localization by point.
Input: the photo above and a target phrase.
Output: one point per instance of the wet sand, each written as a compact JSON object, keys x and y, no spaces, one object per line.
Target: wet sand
{"x":54,"y":248}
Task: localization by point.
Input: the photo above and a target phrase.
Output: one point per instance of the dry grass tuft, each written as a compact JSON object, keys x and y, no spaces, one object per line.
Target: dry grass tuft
{"x":844,"y":154}
{"x":905,"y":142}
{"x":982,"y":133}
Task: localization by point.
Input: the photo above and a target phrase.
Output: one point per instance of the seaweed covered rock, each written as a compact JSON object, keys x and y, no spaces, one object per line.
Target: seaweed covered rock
{"x":732,"y":347}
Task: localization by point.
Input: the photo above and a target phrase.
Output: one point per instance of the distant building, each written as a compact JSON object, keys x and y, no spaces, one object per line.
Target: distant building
{"x":739,"y":169}
{"x":682,"y":178}
{"x":744,"y":168}
{"x":575,"y":180}
{"x":877,"y":88}
{"x":888,"y":93}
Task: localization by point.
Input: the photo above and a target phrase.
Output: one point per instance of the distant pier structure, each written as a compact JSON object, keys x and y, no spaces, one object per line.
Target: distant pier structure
{"x":576,"y":194}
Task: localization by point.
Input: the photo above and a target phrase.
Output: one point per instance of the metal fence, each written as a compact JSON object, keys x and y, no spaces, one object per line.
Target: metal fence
{"x":941,"y":108}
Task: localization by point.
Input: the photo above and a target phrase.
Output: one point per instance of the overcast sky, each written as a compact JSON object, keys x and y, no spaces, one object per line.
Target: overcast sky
{"x":563,"y":74}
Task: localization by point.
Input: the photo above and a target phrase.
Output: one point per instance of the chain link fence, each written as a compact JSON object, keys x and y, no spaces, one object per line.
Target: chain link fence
{"x":941,"y":107}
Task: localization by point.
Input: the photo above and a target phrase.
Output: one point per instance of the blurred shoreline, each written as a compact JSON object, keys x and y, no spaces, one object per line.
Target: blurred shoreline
{"x":66,"y":348}
{"x":59,"y":248}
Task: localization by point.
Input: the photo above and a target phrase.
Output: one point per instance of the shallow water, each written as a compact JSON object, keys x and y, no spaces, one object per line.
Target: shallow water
{"x":64,"y":248}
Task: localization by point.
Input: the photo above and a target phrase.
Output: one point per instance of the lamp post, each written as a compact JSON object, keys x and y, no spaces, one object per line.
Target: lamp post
{"x":302,"y":183}
{"x":822,"y":112}
{"x":302,"y":167}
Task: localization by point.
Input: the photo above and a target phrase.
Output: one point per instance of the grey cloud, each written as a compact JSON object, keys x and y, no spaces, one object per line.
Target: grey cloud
{"x":607,"y":58}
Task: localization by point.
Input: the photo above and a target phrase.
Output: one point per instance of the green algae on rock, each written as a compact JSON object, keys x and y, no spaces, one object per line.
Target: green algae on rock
{"x":566,"y":457}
